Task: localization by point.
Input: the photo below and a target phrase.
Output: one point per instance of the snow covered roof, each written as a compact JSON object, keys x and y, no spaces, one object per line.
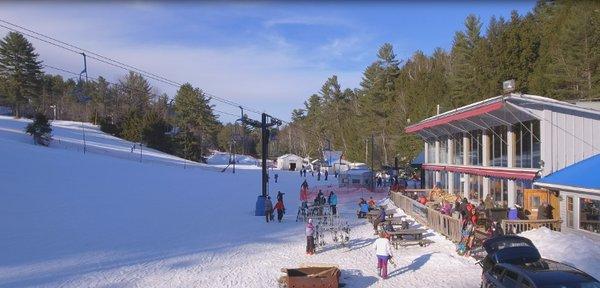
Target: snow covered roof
{"x":284,"y":156}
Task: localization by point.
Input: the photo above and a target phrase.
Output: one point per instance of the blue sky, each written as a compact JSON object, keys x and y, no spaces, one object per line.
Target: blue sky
{"x":267,"y":55}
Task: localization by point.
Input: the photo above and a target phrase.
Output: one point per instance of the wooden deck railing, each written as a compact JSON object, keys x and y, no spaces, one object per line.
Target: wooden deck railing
{"x":443,"y":224}
{"x":518,"y":226}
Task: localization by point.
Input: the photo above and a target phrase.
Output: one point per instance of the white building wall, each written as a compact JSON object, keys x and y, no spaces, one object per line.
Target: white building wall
{"x":567,"y":138}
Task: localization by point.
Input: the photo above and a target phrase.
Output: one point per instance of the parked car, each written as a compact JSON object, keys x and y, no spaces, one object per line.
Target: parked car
{"x":513,"y":261}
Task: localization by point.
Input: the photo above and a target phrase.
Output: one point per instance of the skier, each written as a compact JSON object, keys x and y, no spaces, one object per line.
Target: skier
{"x":326,"y":174}
{"x":304,"y":185}
{"x":310,"y":238}
{"x":319,"y":175}
{"x":280,"y":196}
{"x":268,"y":208}
{"x":303,"y":195}
{"x":332,"y":199}
{"x":280,"y":209}
{"x":335,"y":173}
{"x":384,"y":254}
{"x":276,"y":177}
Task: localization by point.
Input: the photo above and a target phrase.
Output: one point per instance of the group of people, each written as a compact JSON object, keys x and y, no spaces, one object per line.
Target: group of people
{"x":312,"y":172}
{"x":364,"y":207}
{"x":270,"y":209}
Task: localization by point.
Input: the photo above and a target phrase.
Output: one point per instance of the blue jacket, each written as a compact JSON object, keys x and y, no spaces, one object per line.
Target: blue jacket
{"x":364,"y":207}
{"x":333,"y":199}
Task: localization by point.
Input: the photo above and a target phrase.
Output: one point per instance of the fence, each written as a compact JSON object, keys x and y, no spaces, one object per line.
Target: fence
{"x":518,"y":226}
{"x":443,"y":224}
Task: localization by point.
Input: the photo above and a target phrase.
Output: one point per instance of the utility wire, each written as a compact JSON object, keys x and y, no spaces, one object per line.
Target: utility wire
{"x":119,"y":86}
{"x":112,"y":62}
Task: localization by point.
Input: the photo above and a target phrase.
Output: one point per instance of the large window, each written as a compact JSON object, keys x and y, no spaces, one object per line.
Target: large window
{"x":443,"y":180}
{"x":475,"y":188}
{"x":429,"y":179}
{"x":498,"y":148}
{"x":443,"y":149}
{"x":458,"y":184}
{"x":430,"y":150}
{"x":499,"y":191}
{"x":476,"y":148}
{"x":458,"y":149}
{"x":521,"y":185}
{"x":589,"y":215}
{"x":527,"y":142}
{"x":570,"y":211}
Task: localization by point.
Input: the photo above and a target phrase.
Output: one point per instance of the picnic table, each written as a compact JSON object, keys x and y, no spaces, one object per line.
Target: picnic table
{"x":408,"y":237}
{"x":375,"y":213}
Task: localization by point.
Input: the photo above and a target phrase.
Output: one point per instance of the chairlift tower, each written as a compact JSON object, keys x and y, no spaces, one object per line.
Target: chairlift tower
{"x":265,"y":124}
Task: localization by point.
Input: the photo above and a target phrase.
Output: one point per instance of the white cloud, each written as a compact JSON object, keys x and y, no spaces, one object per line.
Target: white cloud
{"x":276,"y":76}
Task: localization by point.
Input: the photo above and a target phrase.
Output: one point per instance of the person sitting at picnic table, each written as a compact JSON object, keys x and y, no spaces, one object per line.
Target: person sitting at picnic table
{"x":383,"y":250}
{"x":489,"y":202}
{"x":446,"y":208}
{"x":371,"y":203}
{"x":422,"y":199}
{"x":389,"y":227}
{"x":379,"y":219}
{"x":364,"y":208}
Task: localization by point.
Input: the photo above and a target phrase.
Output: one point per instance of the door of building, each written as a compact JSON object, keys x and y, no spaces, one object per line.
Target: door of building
{"x":533,"y":199}
{"x":292,"y":166}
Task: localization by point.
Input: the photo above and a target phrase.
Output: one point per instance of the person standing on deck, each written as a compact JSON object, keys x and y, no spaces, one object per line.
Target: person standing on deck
{"x":310,"y":238}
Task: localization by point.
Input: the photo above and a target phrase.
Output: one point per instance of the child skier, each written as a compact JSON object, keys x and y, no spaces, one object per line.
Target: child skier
{"x":384,"y":253}
{"x":280,"y":209}
{"x":276,"y":177}
{"x":310,"y":238}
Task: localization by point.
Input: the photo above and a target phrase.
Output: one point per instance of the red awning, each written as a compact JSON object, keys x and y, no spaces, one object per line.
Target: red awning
{"x":485,"y":171}
{"x":454,"y":117}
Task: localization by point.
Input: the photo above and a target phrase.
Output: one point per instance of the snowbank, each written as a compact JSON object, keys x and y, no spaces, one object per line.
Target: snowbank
{"x":569,"y":248}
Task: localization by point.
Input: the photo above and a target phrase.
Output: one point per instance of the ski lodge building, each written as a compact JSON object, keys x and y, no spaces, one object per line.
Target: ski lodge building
{"x":501,"y":145}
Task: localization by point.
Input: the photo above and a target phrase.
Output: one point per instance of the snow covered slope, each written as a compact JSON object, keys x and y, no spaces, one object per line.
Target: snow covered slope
{"x":69,"y":135}
{"x":104,"y":219}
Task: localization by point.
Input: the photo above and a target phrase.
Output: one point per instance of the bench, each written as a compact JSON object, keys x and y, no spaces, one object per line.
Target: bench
{"x":399,"y":238}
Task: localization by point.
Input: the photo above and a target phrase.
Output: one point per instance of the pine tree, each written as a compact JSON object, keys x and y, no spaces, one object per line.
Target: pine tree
{"x":40,"y":130}
{"x":20,"y":70}
{"x":194,"y":116}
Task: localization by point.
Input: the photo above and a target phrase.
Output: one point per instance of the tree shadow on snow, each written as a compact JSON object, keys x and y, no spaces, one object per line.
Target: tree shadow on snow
{"x":413,"y":266}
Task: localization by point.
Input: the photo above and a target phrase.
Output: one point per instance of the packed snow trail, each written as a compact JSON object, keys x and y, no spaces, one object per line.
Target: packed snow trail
{"x":94,"y":220}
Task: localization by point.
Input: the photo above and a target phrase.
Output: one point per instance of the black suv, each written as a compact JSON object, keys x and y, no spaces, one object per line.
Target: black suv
{"x":513,"y":261}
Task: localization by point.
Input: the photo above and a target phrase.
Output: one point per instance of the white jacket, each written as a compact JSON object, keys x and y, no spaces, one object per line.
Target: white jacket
{"x":383,"y":247}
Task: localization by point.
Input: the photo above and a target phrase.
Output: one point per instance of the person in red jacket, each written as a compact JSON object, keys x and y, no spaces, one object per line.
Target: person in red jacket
{"x":280,"y":210}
